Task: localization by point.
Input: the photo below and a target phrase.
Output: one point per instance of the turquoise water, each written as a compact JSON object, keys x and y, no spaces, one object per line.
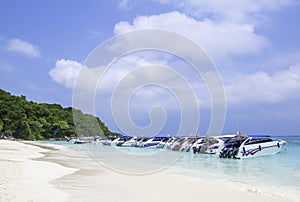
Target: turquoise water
{"x":277,"y":175}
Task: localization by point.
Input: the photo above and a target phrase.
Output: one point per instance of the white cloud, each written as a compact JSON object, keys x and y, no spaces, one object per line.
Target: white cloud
{"x":23,"y":47}
{"x":65,"y":72}
{"x":241,"y":89}
{"x":124,"y":67}
{"x":261,"y":87}
{"x":219,"y":39}
{"x":225,"y":29}
{"x":237,"y":11}
{"x":128,"y":74}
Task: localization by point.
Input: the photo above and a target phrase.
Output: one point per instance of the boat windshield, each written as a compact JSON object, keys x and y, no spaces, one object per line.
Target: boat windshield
{"x":192,"y":140}
{"x":225,"y":138}
{"x":181,"y":140}
{"x":235,"y":140}
{"x":210,"y":141}
{"x":258,"y":140}
{"x":145,"y":139}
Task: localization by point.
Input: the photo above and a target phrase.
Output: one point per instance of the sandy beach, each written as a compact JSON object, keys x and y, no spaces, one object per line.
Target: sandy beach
{"x":24,"y":179}
{"x":32,"y":173}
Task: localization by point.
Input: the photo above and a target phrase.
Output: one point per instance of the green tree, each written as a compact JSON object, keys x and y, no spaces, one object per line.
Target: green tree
{"x":59,"y":127}
{"x":23,"y":130}
{"x":36,"y":127}
{"x":1,"y":126}
{"x":31,"y":137}
{"x":30,"y":120}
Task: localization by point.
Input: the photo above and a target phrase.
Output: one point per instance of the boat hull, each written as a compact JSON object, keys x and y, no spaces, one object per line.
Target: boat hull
{"x":263,"y":149}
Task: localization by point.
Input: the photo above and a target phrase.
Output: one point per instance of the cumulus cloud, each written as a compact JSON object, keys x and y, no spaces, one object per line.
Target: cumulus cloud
{"x":65,"y":72}
{"x":261,"y":87}
{"x":23,"y":47}
{"x":219,"y":39}
{"x":241,"y":89}
{"x":237,"y":11}
{"x":128,"y":74}
{"x":124,"y":67}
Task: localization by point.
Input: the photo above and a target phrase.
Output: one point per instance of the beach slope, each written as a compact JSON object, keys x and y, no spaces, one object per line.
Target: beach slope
{"x":25,"y":179}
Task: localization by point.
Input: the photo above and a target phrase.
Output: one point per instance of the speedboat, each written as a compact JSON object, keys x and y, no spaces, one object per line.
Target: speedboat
{"x":186,"y":145}
{"x":207,"y":145}
{"x":178,"y":143}
{"x":82,"y":140}
{"x":156,"y":142}
{"x":141,"y":140}
{"x":242,"y":146}
{"x":129,"y":143}
{"x":121,"y":140}
{"x":108,"y":140}
{"x":170,"y":142}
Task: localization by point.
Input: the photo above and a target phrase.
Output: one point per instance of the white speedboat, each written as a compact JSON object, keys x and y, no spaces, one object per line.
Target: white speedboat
{"x":250,"y":146}
{"x":170,"y":142}
{"x":178,"y":143}
{"x":130,"y":143}
{"x":186,"y":145}
{"x":141,"y":140}
{"x":82,"y":140}
{"x":156,"y":142}
{"x":116,"y":141}
{"x":208,"y":145}
{"x":122,"y":140}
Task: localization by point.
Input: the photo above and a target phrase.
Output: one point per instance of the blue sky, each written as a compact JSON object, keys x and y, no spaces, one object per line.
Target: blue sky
{"x":254,"y":44}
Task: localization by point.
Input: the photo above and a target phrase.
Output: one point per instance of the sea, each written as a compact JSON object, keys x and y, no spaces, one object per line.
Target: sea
{"x":274,"y":175}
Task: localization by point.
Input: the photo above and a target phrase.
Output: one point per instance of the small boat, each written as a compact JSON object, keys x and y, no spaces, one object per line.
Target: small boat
{"x":242,"y":146}
{"x":156,"y":142}
{"x":84,"y":140}
{"x":131,"y":142}
{"x":120,"y":141}
{"x":140,"y":141}
{"x":170,"y":142}
{"x":179,"y":143}
{"x":187,"y":144}
{"x":78,"y":140}
{"x":207,"y":145}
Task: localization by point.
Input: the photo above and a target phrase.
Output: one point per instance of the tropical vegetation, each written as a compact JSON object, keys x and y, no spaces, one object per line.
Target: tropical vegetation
{"x":22,"y":119}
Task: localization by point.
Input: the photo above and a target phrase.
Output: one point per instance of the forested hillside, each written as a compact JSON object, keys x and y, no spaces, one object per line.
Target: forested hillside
{"x":22,"y":119}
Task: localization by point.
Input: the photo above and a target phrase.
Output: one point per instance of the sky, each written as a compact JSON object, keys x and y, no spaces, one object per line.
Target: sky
{"x":254,"y":46}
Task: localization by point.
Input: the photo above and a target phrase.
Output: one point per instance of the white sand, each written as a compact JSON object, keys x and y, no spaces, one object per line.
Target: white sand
{"x":24,"y":179}
{"x":114,"y":187}
{"x":28,"y":180}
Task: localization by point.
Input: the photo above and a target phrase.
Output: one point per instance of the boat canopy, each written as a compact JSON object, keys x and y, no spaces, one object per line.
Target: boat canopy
{"x":258,"y":135}
{"x":162,"y":136}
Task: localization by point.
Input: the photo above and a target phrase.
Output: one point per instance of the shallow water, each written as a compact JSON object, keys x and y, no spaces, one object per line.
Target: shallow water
{"x":276,"y":175}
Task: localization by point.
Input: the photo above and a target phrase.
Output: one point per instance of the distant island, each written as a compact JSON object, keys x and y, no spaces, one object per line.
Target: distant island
{"x":22,"y":119}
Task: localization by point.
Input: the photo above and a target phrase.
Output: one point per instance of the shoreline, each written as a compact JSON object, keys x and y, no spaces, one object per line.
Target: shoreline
{"x":99,"y":179}
{"x":90,"y":181}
